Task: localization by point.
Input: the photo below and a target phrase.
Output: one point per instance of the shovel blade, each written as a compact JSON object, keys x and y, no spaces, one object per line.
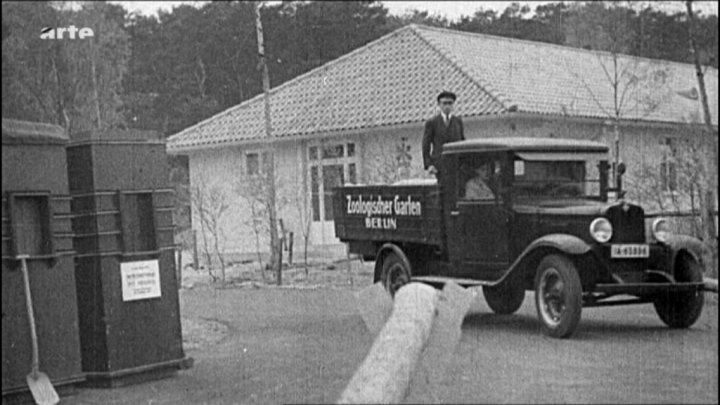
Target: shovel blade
{"x":42,"y":389}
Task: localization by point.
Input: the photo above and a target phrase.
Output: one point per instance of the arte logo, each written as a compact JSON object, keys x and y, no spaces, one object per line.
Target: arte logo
{"x":71,"y":32}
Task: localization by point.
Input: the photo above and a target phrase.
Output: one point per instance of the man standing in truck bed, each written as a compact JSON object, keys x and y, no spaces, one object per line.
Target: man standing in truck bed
{"x":443,"y":128}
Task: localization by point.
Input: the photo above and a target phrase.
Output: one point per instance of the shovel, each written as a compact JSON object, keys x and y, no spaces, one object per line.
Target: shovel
{"x":40,"y":386}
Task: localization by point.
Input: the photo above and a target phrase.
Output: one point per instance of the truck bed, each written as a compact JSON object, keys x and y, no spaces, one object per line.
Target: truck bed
{"x":408,"y":213}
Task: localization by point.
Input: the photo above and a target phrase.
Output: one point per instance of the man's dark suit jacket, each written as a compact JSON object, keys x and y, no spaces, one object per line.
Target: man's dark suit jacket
{"x":437,"y":134}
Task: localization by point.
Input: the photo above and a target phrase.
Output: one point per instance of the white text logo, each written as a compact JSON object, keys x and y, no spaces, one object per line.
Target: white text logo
{"x":71,"y":32}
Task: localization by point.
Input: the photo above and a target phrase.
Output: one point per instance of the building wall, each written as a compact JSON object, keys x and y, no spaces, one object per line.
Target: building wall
{"x":218,"y":178}
{"x":390,"y":154}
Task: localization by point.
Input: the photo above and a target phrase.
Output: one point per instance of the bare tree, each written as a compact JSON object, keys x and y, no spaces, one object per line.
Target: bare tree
{"x":259,"y":228}
{"x":210,"y":205}
{"x":637,"y":89}
{"x":270,"y":163}
{"x":394,"y":164}
{"x":304,"y":219}
{"x":253,"y":189}
{"x":676,"y":190}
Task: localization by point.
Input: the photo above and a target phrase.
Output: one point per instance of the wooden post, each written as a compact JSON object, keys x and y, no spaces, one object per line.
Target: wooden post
{"x":290,"y":248}
{"x":349,"y":264}
{"x":385,"y":373}
{"x":178,"y":253}
{"x":279,"y":269}
{"x":280,"y":251}
{"x":196,"y":259}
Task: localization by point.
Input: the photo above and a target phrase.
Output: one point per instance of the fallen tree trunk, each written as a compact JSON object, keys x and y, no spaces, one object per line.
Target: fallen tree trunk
{"x":385,"y":373}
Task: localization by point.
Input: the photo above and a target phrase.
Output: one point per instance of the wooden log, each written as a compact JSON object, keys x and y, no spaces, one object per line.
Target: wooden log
{"x":384,"y":375}
{"x":375,"y":306}
{"x":452,"y":306}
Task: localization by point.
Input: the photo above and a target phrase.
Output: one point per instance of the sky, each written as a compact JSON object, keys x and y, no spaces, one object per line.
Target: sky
{"x":453,"y":10}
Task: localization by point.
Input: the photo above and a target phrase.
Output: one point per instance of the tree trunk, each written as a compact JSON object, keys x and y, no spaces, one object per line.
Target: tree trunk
{"x":709,"y":199}
{"x":61,"y":110}
{"x":93,"y":80}
{"x":270,"y":164}
{"x":384,"y":376}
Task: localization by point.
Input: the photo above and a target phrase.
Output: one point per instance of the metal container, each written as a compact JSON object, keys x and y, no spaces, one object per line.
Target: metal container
{"x":36,"y":221}
{"x":125,"y":268}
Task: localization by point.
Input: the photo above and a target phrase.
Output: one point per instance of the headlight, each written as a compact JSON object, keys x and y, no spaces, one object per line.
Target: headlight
{"x":601,"y":230}
{"x":660,"y":229}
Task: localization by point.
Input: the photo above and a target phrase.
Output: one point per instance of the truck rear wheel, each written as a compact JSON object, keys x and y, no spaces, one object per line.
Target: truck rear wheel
{"x":395,"y":273}
{"x":558,"y":295}
{"x":681,"y":309}
{"x":506,"y":298}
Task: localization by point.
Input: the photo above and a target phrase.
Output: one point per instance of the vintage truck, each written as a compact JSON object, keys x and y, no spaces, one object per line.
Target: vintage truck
{"x":548,"y":225}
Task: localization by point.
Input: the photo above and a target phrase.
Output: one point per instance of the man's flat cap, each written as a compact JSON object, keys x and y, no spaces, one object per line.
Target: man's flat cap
{"x":447,"y":94}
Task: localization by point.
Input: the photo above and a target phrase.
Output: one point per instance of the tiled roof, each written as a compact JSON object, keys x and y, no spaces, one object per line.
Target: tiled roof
{"x":553,"y":79}
{"x":395,"y":79}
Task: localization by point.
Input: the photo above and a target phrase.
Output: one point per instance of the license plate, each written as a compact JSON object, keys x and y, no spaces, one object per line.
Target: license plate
{"x":629,"y":251}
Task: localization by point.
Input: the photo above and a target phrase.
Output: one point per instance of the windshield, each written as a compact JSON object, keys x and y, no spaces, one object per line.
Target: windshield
{"x":557,"y":179}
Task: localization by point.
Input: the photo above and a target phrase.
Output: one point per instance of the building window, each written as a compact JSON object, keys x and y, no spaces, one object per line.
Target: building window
{"x":352,"y":173}
{"x":138,"y":222}
{"x":332,"y":152}
{"x":252,"y":163}
{"x":330,"y":166}
{"x":31,"y":225}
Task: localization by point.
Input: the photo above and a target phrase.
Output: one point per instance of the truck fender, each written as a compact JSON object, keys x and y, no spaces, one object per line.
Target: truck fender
{"x":569,"y":244}
{"x":684,"y":243}
{"x":384,"y":250}
{"x":566,"y":243}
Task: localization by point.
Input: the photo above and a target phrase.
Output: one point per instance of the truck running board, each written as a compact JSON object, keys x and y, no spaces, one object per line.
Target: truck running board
{"x":465,"y":282}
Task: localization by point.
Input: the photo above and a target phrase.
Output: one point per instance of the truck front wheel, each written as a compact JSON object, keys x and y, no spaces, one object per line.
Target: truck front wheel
{"x":395,"y":273}
{"x":558,"y":295}
{"x":681,"y":309}
{"x":506,"y":298}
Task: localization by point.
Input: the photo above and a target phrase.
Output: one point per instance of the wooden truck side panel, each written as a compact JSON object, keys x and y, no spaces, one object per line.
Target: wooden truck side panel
{"x":381,"y":213}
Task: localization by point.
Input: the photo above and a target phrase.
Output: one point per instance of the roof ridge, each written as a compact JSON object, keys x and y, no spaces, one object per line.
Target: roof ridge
{"x":565,"y":47}
{"x":297,"y":78}
{"x":496,"y":95}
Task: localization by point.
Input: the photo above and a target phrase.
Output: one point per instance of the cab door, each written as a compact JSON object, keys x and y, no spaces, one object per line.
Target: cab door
{"x":478,"y":231}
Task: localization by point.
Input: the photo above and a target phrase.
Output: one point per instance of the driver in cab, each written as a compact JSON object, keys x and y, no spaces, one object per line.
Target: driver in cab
{"x":476,"y":188}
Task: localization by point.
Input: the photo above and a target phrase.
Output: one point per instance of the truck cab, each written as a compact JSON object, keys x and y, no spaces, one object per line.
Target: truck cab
{"x":525,"y":214}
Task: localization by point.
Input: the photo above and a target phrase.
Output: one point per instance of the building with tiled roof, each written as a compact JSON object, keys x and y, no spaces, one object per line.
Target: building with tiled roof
{"x":393,"y":81}
{"x":349,"y":119}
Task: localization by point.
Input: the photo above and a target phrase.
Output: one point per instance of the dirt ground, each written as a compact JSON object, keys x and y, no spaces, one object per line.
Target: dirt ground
{"x":301,"y":343}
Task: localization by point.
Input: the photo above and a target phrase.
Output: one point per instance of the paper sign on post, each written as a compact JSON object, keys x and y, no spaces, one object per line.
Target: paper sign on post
{"x":140,"y":280}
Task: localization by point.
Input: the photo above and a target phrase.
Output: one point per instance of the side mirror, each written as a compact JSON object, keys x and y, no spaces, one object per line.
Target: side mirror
{"x":621,"y":169}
